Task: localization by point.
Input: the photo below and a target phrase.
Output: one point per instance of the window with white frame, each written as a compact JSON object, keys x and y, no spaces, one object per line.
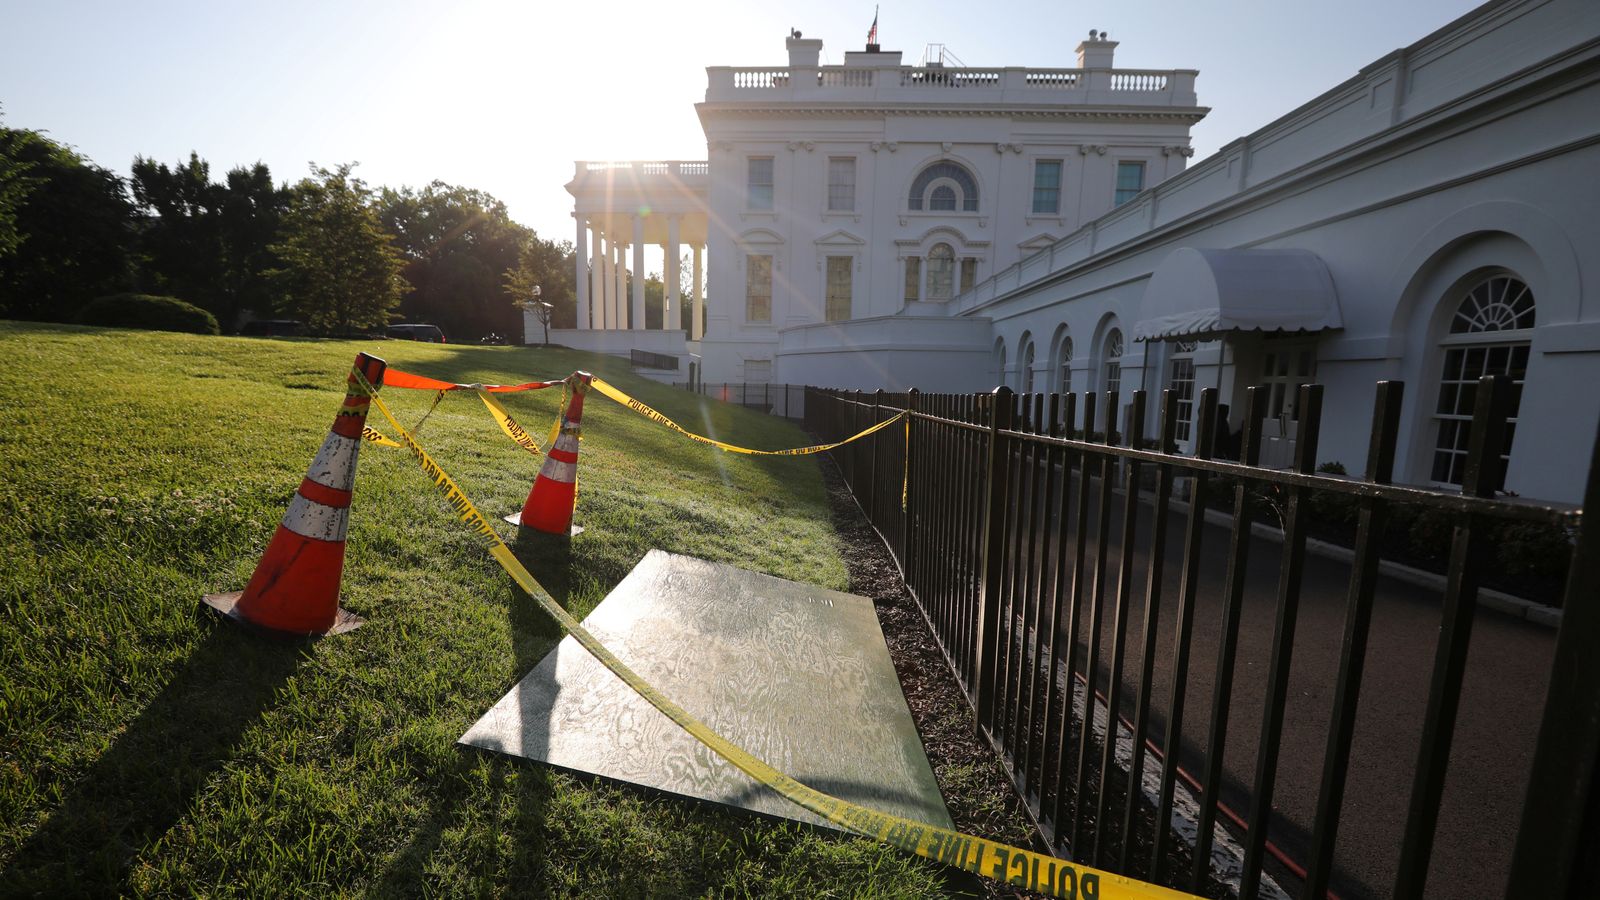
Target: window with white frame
{"x":944,"y":186}
{"x":941,"y":272}
{"x":1026,"y":362}
{"x":758,"y":183}
{"x":969,"y":273}
{"x":913,"y":278}
{"x":1285,"y":365}
{"x":837,"y":302}
{"x":841,"y":183}
{"x":1489,"y":334}
{"x":757,"y":371}
{"x":1064,"y":363}
{"x":1047,"y":187}
{"x":1130,"y":181}
{"x":1111,"y":366}
{"x":1180,"y":380}
{"x":758,"y":287}
{"x":999,"y":362}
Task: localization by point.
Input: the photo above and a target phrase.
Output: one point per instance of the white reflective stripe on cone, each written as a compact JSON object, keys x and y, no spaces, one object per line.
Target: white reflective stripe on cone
{"x":567,"y":442}
{"x":556,"y":470}
{"x":335,"y":464}
{"x":311,"y":519}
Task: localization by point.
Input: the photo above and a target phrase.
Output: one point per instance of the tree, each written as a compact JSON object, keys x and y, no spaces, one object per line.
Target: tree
{"x":457,"y":241}
{"x":205,"y":242}
{"x":251,"y":214}
{"x":548,"y":265}
{"x":15,"y":185}
{"x":179,"y":236}
{"x":339,"y":269}
{"x":74,"y":219}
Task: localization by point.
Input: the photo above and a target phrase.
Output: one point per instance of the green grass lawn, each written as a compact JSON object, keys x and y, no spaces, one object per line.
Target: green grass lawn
{"x":146,"y":747}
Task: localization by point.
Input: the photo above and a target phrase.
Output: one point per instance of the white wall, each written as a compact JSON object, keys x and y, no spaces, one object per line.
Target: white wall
{"x":893,"y":133}
{"x":1500,"y":178}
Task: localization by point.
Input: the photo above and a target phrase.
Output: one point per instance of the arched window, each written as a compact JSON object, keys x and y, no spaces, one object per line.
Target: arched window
{"x":1026,"y":363}
{"x":941,"y":272}
{"x":999,"y":361}
{"x":944,"y":182}
{"x":1489,"y":334}
{"x":1064,"y":363}
{"x":1111,"y":367}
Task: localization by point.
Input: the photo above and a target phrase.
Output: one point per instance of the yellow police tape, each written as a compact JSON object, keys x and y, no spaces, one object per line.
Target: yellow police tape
{"x":516,"y":432}
{"x":610,"y":390}
{"x":1011,"y":865}
{"x":373,"y":435}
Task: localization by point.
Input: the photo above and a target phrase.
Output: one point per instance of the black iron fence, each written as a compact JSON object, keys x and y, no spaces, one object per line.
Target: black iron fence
{"x":1003,"y":511}
{"x":784,"y":400}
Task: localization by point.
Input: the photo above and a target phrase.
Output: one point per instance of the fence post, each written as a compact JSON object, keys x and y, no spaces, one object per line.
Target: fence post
{"x":908,"y":509}
{"x":1480,"y":479}
{"x":1001,"y":408}
{"x":872,"y":459}
{"x":1561,"y":816}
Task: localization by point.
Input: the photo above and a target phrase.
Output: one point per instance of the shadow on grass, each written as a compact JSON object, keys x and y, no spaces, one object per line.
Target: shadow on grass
{"x":142,"y":785}
{"x":533,"y":634}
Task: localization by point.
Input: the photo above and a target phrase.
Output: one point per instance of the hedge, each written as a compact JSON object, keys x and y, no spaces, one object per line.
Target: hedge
{"x":148,"y":312}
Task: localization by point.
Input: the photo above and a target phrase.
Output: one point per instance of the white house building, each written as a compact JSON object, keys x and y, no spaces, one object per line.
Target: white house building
{"x":1431,"y":219}
{"x":867,"y":190}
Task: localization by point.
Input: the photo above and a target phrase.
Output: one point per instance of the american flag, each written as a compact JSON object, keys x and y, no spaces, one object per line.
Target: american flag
{"x":872,"y":33}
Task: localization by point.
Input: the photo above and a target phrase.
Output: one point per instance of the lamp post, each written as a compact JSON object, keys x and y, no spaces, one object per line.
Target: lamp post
{"x":543,"y":310}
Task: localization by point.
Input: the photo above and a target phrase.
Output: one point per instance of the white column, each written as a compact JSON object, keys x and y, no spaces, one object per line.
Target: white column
{"x":602,"y":294}
{"x":697,"y":318}
{"x":669,"y":305}
{"x":597,"y":273}
{"x":610,"y":282}
{"x":638,"y":272}
{"x":580,"y":261}
{"x":619,"y":318}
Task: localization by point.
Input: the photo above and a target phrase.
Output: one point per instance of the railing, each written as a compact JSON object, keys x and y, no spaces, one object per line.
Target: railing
{"x":760,"y":78}
{"x":646,"y":359}
{"x":786,"y":401}
{"x":940,"y":84}
{"x":845,"y":77}
{"x":1138,"y":81}
{"x":934,"y":76}
{"x":1060,"y":79}
{"x":647,"y":167}
{"x":1001,"y":511}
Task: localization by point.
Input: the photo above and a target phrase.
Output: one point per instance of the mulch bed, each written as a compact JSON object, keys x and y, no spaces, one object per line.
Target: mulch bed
{"x":984,"y":803}
{"x":976,"y":788}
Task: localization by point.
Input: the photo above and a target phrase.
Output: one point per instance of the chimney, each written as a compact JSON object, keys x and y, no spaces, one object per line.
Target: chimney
{"x":1095,"y":53}
{"x":803,"y":53}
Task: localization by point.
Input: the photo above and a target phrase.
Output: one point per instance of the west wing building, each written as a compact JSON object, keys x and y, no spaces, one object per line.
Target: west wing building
{"x":1432,"y":219}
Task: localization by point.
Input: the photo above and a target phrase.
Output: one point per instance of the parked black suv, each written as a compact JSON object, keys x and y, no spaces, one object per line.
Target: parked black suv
{"x":428,"y":333}
{"x":272,"y":328}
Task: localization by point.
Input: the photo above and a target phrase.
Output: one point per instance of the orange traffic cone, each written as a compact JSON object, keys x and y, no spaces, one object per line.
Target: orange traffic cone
{"x":295,"y":588}
{"x":555,"y":491}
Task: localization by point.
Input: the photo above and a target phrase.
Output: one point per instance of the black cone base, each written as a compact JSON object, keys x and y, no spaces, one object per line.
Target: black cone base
{"x":227,"y":604}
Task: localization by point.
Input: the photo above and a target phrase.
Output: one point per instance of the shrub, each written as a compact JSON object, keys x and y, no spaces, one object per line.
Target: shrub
{"x":1336,"y":509}
{"x":149,"y":312}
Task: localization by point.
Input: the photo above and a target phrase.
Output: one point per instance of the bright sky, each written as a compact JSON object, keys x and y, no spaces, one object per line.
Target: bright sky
{"x":504,"y":96}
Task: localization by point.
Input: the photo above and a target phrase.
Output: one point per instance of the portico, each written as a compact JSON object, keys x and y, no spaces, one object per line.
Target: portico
{"x":619,"y":209}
